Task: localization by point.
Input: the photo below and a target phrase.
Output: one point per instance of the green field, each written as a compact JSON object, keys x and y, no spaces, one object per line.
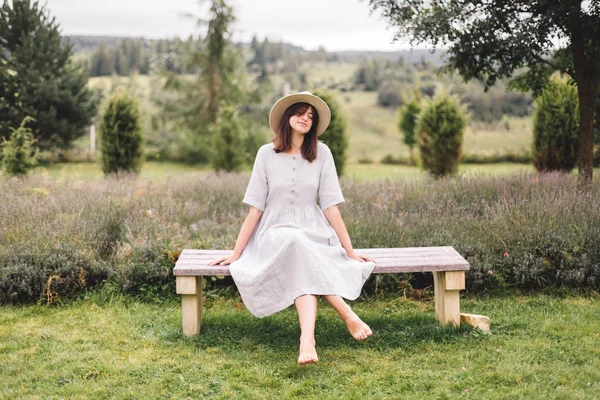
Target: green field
{"x":112,"y":347}
{"x":162,"y":170}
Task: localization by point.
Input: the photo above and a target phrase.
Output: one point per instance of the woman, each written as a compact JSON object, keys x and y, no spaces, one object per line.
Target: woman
{"x":289,"y":249}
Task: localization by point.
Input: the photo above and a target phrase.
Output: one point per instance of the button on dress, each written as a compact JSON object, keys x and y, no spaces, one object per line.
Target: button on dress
{"x":293,"y":249}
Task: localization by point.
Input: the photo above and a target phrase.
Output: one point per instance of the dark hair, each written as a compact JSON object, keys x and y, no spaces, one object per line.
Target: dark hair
{"x":283,"y":139}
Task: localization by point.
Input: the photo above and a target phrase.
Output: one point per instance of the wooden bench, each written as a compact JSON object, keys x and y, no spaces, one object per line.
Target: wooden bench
{"x":447,"y":265}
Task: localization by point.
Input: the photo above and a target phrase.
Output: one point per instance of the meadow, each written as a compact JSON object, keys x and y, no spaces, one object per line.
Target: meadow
{"x":113,"y":347}
{"x":153,"y":170}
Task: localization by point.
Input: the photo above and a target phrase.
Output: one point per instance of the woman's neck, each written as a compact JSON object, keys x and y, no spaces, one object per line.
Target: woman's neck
{"x":297,"y":140}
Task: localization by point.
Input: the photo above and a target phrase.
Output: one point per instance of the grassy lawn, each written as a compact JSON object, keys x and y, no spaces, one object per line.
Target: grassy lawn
{"x":161,"y":170}
{"x":92,"y":171}
{"x":540,"y":347}
{"x":371,"y":172}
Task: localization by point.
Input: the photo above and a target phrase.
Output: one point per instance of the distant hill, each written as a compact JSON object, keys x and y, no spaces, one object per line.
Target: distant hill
{"x":88,"y":44}
{"x":410,"y":57}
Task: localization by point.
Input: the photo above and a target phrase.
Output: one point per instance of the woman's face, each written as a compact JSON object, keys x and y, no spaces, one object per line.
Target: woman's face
{"x":303,"y":122}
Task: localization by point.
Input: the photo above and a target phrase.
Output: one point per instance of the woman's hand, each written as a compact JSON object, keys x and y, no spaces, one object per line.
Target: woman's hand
{"x":225,"y":260}
{"x":361,"y":257}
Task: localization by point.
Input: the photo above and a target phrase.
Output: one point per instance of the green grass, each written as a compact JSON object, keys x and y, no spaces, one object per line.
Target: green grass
{"x":92,"y":171}
{"x":370,"y":172}
{"x":540,"y":347}
{"x":363,"y":172}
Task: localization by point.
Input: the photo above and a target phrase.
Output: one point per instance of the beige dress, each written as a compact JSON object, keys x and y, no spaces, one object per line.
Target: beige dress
{"x":293,"y":250}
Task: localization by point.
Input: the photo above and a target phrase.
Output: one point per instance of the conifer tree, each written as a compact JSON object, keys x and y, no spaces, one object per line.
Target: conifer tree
{"x":121,"y":136}
{"x":40,"y":79}
{"x":18,"y":152}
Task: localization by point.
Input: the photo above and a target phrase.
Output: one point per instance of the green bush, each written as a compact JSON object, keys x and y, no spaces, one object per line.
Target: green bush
{"x":29,"y":272}
{"x":390,"y":95}
{"x":494,"y":158}
{"x":18,"y":153}
{"x":491,"y":105}
{"x":440,"y":130}
{"x":147,"y":270}
{"x":121,"y":136}
{"x":253,"y":139}
{"x":556,"y":127}
{"x":335,"y":135}
{"x":228,"y":152}
{"x":408,"y":122}
{"x":391,"y":160}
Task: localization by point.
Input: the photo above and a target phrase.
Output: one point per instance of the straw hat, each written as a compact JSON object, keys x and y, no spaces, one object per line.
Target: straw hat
{"x":302,"y":97}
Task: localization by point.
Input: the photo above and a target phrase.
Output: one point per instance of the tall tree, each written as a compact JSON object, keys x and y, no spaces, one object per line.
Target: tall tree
{"x":407,"y":123}
{"x":489,"y":40}
{"x":219,"y":78}
{"x":39,"y":78}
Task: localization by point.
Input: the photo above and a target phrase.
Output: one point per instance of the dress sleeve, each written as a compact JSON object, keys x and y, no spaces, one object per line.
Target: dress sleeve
{"x":330,"y":192}
{"x":258,"y":188}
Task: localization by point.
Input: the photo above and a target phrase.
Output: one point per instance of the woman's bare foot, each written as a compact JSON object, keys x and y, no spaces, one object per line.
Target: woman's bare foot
{"x":358,"y":329}
{"x":308,"y":353}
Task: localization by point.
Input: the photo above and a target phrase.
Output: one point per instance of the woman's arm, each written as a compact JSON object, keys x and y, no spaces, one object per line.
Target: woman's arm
{"x":246,"y":230}
{"x":337,"y":223}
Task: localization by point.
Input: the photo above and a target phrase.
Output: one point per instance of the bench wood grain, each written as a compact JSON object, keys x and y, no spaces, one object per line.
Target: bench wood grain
{"x":446,"y":264}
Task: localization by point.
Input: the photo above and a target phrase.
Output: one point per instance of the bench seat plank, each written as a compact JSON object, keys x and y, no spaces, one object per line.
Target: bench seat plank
{"x":401,"y":260}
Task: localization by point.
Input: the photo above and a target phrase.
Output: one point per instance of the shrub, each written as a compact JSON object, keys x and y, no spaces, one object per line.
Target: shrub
{"x":30,"y":273}
{"x":18,"y":154}
{"x":226,"y":131}
{"x":335,"y":135}
{"x":390,"y":96}
{"x":146,"y":270}
{"x":390,"y":159}
{"x":492,"y":105}
{"x":428,"y":90}
{"x":408,"y":122}
{"x":556,"y":127}
{"x":365,"y":160}
{"x":440,"y":130}
{"x":120,"y":136}
{"x":511,"y":157}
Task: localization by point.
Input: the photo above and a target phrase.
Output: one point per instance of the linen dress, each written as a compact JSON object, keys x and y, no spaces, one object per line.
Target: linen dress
{"x":293,"y":249}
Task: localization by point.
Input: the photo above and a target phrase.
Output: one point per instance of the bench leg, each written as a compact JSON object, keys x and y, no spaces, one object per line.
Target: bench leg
{"x":447,"y":286}
{"x":190,"y":289}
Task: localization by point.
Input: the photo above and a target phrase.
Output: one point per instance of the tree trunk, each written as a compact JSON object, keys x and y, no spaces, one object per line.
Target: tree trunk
{"x":586,"y":76}
{"x":586,"y":131}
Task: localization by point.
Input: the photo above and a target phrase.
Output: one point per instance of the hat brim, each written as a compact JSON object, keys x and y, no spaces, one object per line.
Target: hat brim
{"x":303,"y":97}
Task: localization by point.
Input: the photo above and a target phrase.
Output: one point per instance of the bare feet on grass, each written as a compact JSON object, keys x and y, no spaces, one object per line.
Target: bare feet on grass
{"x":308,"y":353}
{"x":358,"y":329}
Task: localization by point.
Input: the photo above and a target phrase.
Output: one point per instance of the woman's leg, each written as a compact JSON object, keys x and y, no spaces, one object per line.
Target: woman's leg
{"x":358,"y":329}
{"x":307,"y":313}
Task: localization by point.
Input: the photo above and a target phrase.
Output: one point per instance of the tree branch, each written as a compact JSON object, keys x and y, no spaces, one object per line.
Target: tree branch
{"x":553,"y":65}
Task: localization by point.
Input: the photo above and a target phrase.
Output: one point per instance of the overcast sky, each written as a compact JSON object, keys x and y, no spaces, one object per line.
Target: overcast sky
{"x":334,"y":24}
